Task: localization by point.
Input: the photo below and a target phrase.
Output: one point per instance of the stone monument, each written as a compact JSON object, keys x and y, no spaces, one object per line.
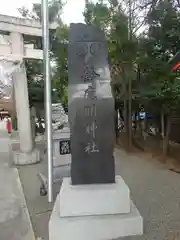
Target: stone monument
{"x":93,"y":204}
{"x":91,"y":107}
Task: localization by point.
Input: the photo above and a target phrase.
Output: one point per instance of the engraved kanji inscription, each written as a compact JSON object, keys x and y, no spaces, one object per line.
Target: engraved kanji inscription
{"x":96,"y":48}
{"x":64,"y":147}
{"x":91,"y":128}
{"x":89,"y":74}
{"x":90,"y":111}
{"x":81,"y":49}
{"x":91,"y":148}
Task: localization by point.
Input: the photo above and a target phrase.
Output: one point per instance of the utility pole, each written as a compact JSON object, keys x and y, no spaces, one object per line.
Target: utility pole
{"x":48,"y":100}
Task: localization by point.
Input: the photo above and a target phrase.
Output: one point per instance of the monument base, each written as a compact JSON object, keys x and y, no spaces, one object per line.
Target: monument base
{"x":99,"y":220}
{"x":21,"y":158}
{"x":94,"y":199}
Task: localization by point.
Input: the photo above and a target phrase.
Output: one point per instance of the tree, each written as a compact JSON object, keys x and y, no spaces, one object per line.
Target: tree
{"x":55,"y":11}
{"x":60,"y":56}
{"x":113,"y":18}
{"x":159,"y":85}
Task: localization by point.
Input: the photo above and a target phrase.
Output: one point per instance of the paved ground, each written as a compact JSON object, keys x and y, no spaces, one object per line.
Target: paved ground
{"x":156,"y":192}
{"x":14,"y":219}
{"x":38,"y":206}
{"x":154,"y":189}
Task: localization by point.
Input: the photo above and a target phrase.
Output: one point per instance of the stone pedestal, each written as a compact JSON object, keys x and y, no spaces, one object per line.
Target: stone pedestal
{"x":94,"y":212}
{"x":95,"y":199}
{"x":21,"y":158}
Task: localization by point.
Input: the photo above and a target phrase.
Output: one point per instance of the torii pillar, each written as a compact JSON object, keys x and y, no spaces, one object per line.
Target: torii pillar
{"x":17,"y":51}
{"x":21,"y":96}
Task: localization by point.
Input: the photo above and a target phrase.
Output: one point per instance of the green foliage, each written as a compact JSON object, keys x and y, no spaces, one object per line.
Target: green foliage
{"x":60,"y":55}
{"x":113,"y":20}
{"x":159,"y":84}
{"x":34,"y":71}
{"x":143,"y":58}
{"x":34,"y":68}
{"x":55,"y":11}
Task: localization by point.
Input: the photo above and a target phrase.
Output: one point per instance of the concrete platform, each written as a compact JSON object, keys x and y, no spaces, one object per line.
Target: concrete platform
{"x":105,"y":227}
{"x":94,"y":199}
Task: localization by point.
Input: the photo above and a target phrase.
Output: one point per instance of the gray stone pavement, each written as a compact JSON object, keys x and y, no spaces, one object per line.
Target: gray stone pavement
{"x":38,"y":206}
{"x":14,"y":218}
{"x":156,"y":192}
{"x":154,"y":189}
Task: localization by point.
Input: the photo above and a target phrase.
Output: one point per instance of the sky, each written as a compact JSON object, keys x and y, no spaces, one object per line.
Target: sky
{"x":72,"y":11}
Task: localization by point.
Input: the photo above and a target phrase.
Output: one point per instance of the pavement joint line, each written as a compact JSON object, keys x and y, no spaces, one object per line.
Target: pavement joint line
{"x":24,"y":202}
{"x":39,"y":213}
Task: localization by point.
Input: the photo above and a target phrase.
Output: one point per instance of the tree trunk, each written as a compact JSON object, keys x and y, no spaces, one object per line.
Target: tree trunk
{"x":166,"y":138}
{"x":126,"y":121}
{"x":116,"y":125}
{"x":162,"y":125}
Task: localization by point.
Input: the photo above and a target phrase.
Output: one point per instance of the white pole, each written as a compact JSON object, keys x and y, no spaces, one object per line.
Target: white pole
{"x":45,"y":27}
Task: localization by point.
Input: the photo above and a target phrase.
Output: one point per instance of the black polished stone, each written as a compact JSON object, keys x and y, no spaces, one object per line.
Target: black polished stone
{"x":91,"y":107}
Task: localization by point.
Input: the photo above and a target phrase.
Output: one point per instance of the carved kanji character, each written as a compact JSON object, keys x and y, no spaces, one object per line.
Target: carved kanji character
{"x":90,"y":111}
{"x":91,"y":148}
{"x":90,"y":129}
{"x":89,"y":74}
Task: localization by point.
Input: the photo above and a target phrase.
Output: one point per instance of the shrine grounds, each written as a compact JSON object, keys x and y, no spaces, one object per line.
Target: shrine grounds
{"x":154,"y":189}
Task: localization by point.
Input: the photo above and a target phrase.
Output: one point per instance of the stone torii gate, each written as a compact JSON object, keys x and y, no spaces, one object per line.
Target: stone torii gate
{"x":14,"y":29}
